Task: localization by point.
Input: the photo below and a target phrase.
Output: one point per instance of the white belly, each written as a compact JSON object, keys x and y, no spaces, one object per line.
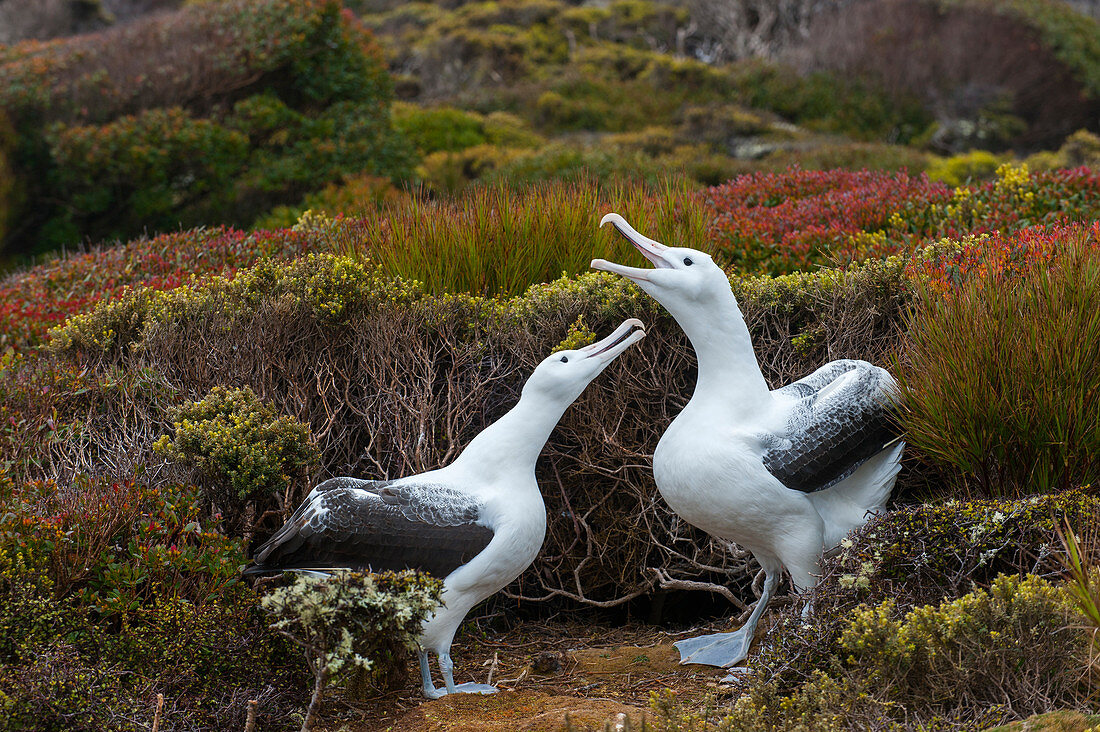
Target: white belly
{"x":717,"y":482}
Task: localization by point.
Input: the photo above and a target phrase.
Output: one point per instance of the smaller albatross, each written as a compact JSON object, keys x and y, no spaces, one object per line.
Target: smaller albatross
{"x":477,"y":523}
{"x":784,"y":473}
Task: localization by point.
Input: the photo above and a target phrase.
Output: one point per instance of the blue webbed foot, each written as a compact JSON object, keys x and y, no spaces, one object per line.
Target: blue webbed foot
{"x":718,"y":649}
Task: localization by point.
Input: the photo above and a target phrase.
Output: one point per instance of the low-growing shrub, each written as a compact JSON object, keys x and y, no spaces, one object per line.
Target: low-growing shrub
{"x":354,"y":196}
{"x":352,"y":620}
{"x":408,"y":377}
{"x":441,"y":128}
{"x":1001,"y":377}
{"x":113,"y":592}
{"x":242,"y":447}
{"x":990,"y":656}
{"x":916,"y":558}
{"x":249,"y":105}
{"x":965,"y":168}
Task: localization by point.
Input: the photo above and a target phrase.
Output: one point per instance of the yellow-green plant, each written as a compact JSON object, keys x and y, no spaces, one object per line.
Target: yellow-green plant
{"x":988,"y":657}
{"x":238,"y":441}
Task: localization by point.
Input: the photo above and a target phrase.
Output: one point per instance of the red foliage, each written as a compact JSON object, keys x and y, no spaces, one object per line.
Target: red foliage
{"x":791,"y":221}
{"x":34,"y":301}
{"x":797,"y":220}
{"x":1004,"y":255}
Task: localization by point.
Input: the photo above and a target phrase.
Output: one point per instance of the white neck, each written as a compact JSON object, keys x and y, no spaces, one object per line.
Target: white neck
{"x":729,"y":373}
{"x":512,"y":444}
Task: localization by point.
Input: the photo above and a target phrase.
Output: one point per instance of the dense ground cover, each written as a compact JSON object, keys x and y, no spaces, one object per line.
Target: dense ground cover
{"x":164,"y":401}
{"x":263,"y":305}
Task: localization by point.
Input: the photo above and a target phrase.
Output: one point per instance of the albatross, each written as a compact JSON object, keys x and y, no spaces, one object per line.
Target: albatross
{"x":477,"y":523}
{"x":785,"y":473}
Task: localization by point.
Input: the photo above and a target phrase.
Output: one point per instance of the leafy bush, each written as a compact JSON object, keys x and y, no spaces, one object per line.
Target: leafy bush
{"x":1002,"y":374}
{"x":974,"y":166}
{"x":455,"y":362}
{"x":441,"y":128}
{"x":351,"y":619}
{"x":986,"y":658}
{"x":829,"y":102}
{"x":354,"y":196}
{"x":250,"y":104}
{"x":780,"y":222}
{"x":112,"y":592}
{"x":139,"y":171}
{"x":241,"y":445}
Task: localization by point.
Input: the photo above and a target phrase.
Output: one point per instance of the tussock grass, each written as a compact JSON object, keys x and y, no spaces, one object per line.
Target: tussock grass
{"x":499,"y":241}
{"x":1003,"y":374}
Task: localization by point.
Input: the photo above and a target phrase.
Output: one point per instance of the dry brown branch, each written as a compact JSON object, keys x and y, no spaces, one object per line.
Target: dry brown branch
{"x":398,"y":390}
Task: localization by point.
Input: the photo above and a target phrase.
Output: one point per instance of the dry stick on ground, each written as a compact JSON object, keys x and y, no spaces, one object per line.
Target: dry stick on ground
{"x":250,"y":722}
{"x":156,"y":715}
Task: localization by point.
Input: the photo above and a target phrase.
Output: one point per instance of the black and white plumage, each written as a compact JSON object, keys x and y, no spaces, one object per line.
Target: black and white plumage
{"x":477,"y":523}
{"x":433,"y":528}
{"x":784,"y":473}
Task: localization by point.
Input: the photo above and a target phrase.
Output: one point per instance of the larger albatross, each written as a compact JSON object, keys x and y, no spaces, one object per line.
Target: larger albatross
{"x":478,"y":522}
{"x":784,"y":473}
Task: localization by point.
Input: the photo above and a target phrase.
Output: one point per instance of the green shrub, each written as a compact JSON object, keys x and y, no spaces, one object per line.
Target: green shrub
{"x":350,"y":619}
{"x":988,"y":657}
{"x":849,"y":156}
{"x":353,"y":196}
{"x":1080,"y":148}
{"x":241,"y":445}
{"x":1002,"y":374}
{"x":140,"y":171}
{"x":442,"y":128}
{"x":829,"y":102}
{"x":113,"y":592}
{"x":966,"y":168}
{"x":291,"y":96}
{"x":453,"y":172}
{"x":507,"y":130}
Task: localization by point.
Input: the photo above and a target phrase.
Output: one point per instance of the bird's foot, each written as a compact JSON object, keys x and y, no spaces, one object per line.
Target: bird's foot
{"x":434,"y":692}
{"x":718,"y":649}
{"x":438,"y":693}
{"x":471,"y":688}
{"x":735,"y":675}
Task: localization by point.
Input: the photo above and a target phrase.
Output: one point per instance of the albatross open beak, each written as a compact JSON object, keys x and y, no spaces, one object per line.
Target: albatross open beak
{"x":630,"y":332}
{"x":650,"y":249}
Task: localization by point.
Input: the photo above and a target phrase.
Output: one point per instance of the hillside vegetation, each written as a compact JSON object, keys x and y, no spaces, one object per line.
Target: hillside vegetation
{"x":268,"y":304}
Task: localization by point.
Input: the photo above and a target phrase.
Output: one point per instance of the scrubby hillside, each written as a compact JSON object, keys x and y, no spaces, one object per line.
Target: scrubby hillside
{"x":332,"y":239}
{"x":317,"y":322}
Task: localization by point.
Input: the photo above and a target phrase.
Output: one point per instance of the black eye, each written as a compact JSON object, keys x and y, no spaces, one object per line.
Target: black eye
{"x":687,"y":261}
{"x":565,"y":359}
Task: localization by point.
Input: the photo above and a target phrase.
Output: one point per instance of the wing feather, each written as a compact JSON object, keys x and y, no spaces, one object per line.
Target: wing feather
{"x":842,"y":418}
{"x":418,"y":526}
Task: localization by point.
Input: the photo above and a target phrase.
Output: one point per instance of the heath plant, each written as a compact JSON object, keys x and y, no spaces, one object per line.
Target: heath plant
{"x":239,"y":443}
{"x":353,"y":620}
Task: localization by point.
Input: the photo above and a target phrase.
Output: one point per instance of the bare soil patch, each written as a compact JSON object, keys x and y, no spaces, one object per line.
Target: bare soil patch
{"x":545,"y":671}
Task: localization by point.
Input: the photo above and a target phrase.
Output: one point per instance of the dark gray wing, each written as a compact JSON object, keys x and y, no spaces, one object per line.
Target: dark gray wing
{"x":414,"y":526}
{"x":841,"y":418}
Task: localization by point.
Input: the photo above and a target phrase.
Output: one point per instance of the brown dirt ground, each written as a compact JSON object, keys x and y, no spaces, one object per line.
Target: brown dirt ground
{"x":605,"y":671}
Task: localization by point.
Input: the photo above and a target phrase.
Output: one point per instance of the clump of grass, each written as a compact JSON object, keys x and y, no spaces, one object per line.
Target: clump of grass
{"x":1002,"y":382}
{"x":499,"y":241}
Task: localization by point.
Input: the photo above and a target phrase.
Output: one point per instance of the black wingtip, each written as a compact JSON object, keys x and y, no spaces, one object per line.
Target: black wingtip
{"x":257,"y":570}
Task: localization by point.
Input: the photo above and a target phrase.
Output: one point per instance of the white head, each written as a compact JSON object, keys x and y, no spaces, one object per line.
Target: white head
{"x":682,"y":279}
{"x":563,"y":375}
